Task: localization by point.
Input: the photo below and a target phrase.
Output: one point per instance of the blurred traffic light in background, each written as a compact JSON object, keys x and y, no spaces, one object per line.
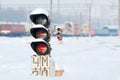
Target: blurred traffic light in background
{"x":59,"y":34}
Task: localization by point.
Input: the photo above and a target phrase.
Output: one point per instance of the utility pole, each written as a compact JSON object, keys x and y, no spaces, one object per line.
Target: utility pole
{"x":119,"y":18}
{"x":27,"y":20}
{"x":51,"y":15}
{"x":51,"y":9}
{"x":111,"y":14}
{"x":80,"y":21}
{"x":0,"y":3}
{"x":89,"y":4}
{"x":58,"y":11}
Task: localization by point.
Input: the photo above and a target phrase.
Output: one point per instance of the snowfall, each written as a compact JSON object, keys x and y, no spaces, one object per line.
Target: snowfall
{"x":81,"y":58}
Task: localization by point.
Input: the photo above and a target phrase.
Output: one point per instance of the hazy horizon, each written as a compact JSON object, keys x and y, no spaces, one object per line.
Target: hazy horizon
{"x":55,"y":1}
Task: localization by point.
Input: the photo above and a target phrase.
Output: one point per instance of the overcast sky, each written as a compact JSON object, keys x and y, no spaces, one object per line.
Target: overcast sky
{"x":55,"y":1}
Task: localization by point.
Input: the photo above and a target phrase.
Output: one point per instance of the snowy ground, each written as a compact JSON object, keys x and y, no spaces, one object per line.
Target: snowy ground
{"x":96,"y":58}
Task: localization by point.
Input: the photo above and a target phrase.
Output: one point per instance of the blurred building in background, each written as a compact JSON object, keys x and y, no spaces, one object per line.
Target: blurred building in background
{"x":78,"y":14}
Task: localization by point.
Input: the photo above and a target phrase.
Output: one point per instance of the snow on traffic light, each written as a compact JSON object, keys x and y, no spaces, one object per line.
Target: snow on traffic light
{"x":40,"y":31}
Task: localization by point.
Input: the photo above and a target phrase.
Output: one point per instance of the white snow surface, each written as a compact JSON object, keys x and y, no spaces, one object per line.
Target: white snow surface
{"x":83,"y":58}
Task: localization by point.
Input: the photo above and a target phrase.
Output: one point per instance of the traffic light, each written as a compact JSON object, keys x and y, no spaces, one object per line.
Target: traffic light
{"x":59,"y":34}
{"x":40,"y":31}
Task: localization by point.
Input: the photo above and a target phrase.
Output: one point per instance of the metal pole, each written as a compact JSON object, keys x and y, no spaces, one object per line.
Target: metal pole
{"x":80,"y":18}
{"x":27,"y":20}
{"x":89,"y":19}
{"x":111,"y":15}
{"x":51,"y":16}
{"x":119,"y":18}
{"x":0,"y":3}
{"x":51,"y":9}
{"x":58,"y":12}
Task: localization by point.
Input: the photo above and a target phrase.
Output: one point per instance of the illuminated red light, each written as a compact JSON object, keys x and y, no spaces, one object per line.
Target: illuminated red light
{"x":42,"y":48}
{"x":59,"y":37}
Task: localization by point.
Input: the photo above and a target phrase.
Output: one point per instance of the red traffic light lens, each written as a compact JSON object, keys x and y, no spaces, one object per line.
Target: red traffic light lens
{"x":59,"y":37}
{"x":41,"y":48}
{"x":41,"y":34}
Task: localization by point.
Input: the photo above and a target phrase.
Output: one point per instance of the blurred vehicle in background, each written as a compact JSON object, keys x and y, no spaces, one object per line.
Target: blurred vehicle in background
{"x":107,"y":31}
{"x":12,"y":29}
{"x":104,"y":31}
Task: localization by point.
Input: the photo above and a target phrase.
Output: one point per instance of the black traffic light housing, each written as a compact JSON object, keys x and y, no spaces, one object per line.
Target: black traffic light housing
{"x":59,"y":34}
{"x":40,"y":19}
{"x":39,"y":31}
{"x":41,"y":47}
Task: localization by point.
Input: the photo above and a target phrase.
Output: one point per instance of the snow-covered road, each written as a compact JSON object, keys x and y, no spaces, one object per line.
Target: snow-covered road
{"x":84,"y":58}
